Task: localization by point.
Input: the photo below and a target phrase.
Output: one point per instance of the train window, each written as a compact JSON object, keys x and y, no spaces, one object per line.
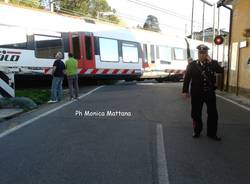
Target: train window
{"x":192,"y":54}
{"x":47,"y":46}
{"x":179,"y":54}
{"x":88,"y":48}
{"x":130,"y":52}
{"x":76,"y":46}
{"x":108,"y":50}
{"x":165,"y":54}
{"x":13,"y":37}
{"x":157,"y":52}
{"x":152,"y":53}
{"x":145,"y":52}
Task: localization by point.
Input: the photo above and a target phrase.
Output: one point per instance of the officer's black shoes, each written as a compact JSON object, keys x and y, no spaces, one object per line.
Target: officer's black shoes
{"x":214,"y":137}
{"x":196,"y":135}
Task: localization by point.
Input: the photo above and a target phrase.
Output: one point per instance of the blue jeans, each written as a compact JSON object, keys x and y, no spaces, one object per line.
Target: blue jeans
{"x":56,"y":88}
{"x":73,"y":85}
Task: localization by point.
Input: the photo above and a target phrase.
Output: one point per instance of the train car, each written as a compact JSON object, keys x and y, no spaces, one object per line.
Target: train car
{"x":30,"y":38}
{"x":165,"y":56}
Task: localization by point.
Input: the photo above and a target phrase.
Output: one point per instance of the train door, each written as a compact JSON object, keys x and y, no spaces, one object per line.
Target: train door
{"x":152,"y":56}
{"x":145,"y":56}
{"x":82,"y":46}
{"x":87,"y":40}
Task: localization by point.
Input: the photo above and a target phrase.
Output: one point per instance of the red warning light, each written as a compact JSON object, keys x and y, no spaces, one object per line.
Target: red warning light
{"x":218,"y":40}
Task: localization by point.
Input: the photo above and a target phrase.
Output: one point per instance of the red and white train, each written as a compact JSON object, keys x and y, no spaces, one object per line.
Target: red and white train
{"x":30,"y":38}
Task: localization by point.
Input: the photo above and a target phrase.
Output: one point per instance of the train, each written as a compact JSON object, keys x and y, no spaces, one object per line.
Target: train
{"x":30,"y":38}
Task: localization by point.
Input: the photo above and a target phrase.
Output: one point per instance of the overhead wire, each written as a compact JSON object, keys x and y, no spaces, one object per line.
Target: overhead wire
{"x":119,"y":14}
{"x":143,"y":20}
{"x":154,"y":7}
{"x":77,"y":13}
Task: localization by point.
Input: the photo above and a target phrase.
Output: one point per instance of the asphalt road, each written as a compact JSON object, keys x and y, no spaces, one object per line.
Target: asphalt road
{"x":110,"y":137}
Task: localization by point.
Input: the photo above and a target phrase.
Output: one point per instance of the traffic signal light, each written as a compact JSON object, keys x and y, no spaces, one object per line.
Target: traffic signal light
{"x":218,"y":40}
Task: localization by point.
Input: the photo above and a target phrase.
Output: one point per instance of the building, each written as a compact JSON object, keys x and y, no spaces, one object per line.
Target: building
{"x":208,"y":35}
{"x":238,"y":75}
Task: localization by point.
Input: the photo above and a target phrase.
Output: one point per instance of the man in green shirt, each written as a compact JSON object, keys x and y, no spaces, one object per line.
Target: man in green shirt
{"x":71,"y":72}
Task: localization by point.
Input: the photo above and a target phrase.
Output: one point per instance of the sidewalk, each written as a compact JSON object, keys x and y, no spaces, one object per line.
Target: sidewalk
{"x":9,"y":112}
{"x":238,"y":99}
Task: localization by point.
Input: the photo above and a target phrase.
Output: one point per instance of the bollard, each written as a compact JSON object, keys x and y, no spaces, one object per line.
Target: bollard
{"x":7,"y":84}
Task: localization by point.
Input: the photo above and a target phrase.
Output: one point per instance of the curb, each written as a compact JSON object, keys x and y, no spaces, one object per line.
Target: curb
{"x":241,"y":100}
{"x":7,"y":113}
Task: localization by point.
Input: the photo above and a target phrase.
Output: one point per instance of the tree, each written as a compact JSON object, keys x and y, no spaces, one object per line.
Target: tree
{"x":139,"y":26}
{"x":89,"y":7}
{"x":81,"y":6}
{"x":96,"y":6}
{"x":30,"y":3}
{"x":151,"y":24}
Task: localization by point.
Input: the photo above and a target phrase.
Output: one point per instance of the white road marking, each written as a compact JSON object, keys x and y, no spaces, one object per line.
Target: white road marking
{"x":161,"y":157}
{"x":44,"y":114}
{"x":149,"y":84}
{"x":233,"y":102}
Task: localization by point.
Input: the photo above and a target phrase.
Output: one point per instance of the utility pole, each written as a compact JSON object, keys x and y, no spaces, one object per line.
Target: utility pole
{"x":192,"y":20}
{"x":213,"y":31}
{"x":203,"y":16}
{"x":218,"y":29}
{"x":185,"y":29}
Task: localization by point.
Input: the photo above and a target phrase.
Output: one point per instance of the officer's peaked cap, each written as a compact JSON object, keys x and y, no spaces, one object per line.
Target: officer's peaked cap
{"x":202,"y":48}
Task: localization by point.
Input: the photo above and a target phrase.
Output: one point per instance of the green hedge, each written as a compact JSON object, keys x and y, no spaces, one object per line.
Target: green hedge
{"x":18,"y":102}
{"x":39,"y":96}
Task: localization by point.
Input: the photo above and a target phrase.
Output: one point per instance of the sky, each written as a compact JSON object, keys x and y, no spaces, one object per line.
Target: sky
{"x":174,"y":16}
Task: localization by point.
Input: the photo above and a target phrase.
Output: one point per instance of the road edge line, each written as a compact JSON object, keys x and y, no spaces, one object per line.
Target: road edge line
{"x":233,"y":102}
{"x":7,"y":132}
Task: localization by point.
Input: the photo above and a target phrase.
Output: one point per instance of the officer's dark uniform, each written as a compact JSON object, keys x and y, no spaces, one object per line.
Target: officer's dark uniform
{"x":202,"y":77}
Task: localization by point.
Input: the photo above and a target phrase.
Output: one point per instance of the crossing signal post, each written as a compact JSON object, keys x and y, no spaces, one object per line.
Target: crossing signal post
{"x":218,"y":40}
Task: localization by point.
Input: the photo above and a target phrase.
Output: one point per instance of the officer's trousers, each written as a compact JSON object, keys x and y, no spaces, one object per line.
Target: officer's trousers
{"x":197,"y":101}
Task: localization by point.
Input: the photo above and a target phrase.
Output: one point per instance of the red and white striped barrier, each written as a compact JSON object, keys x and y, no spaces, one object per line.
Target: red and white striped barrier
{"x":172,"y":72}
{"x":7,"y":84}
{"x":99,"y":71}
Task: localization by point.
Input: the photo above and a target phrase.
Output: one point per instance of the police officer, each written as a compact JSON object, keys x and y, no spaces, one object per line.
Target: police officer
{"x":201,"y":73}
